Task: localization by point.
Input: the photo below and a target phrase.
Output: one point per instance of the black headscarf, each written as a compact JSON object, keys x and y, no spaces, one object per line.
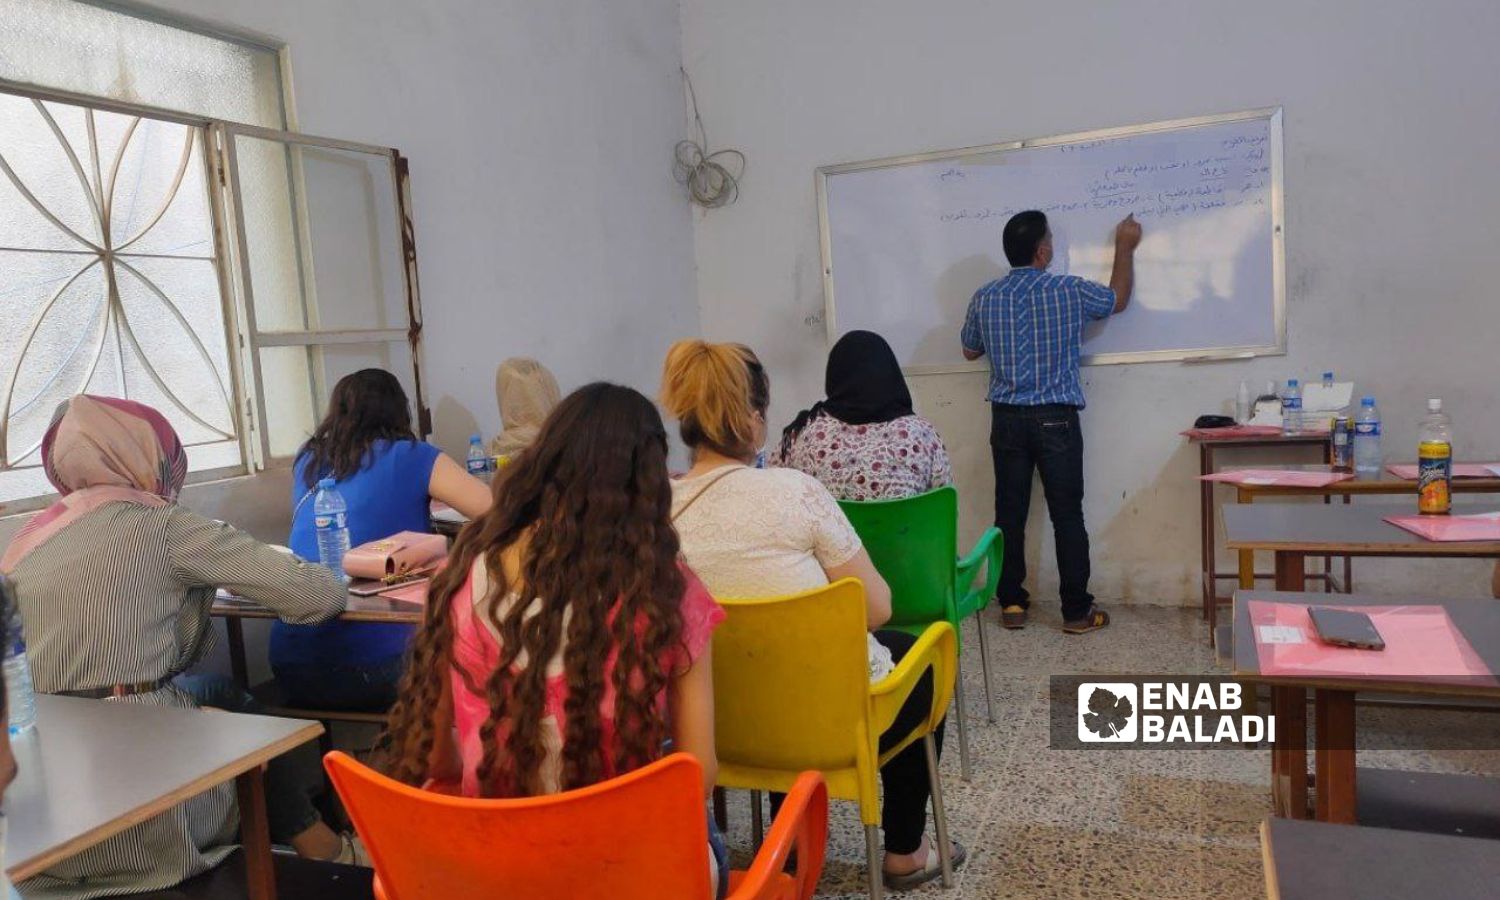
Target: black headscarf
{"x":864,"y":385}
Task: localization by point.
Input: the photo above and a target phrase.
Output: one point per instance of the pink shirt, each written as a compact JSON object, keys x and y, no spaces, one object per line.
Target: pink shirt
{"x":476,"y":648}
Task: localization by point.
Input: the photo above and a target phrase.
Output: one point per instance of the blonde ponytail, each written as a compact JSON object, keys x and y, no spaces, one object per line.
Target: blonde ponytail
{"x":715,"y":391}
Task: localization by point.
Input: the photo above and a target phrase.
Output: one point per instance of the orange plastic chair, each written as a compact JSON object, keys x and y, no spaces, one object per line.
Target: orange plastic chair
{"x":643,"y":835}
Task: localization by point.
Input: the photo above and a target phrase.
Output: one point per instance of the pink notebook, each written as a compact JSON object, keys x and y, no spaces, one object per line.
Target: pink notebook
{"x":414,"y":592}
{"x":1421,"y":644}
{"x":1279,"y":477}
{"x":1460,"y":470}
{"x":1478,"y":527}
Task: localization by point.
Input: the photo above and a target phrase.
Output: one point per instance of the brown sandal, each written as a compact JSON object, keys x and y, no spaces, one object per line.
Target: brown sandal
{"x":1095,"y":620}
{"x":1013,"y":617}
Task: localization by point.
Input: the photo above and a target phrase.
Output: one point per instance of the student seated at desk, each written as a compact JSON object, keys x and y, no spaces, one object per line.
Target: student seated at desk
{"x":114,"y":583}
{"x":387,"y":478}
{"x":766,"y":532}
{"x":527,"y":393}
{"x":863,"y":441}
{"x":569,"y":588}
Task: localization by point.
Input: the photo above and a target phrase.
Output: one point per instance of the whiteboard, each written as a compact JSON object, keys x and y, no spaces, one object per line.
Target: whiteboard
{"x":907,"y":241}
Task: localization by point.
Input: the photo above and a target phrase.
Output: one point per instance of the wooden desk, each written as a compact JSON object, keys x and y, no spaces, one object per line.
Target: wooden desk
{"x":93,"y":768}
{"x":1318,"y":861}
{"x":234,"y":610}
{"x":1479,"y":622}
{"x":1208,"y":447}
{"x":1294,"y":532}
{"x":1383,"y":484}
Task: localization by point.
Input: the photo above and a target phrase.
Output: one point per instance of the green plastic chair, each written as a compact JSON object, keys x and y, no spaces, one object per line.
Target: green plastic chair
{"x":914,"y":545}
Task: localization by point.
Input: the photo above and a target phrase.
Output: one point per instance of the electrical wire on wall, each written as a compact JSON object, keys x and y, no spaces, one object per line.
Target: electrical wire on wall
{"x":708,"y":176}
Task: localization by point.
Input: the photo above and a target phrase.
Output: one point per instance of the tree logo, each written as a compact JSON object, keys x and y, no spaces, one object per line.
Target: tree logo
{"x":1107,"y":712}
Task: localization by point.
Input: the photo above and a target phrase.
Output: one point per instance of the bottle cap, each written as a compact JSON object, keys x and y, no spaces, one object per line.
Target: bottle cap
{"x":1367,"y":401}
{"x":325,"y":483}
{"x":1291,"y":382}
{"x":474,"y":438}
{"x":1327,"y":376}
{"x":1434,"y":405}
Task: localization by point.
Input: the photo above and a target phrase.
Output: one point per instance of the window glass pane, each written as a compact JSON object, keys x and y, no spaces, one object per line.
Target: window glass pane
{"x":286,"y":394}
{"x":103,"y":52}
{"x":291,"y":420}
{"x":110,"y":284}
{"x":267,"y":216}
{"x":328,"y":257}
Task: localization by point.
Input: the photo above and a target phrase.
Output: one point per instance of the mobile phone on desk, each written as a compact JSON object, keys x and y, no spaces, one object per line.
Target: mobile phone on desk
{"x":1345,"y":628}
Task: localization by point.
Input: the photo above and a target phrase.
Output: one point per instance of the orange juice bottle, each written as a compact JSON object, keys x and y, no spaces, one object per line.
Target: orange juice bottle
{"x":1435,"y":462}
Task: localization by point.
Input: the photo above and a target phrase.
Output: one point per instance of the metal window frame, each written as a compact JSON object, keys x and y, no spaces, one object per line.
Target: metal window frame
{"x":1273,"y":114}
{"x":241,"y":339}
{"x":252,"y":339}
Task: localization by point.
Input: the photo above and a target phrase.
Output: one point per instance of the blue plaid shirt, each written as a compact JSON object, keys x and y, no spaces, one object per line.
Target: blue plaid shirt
{"x":1030,"y":323}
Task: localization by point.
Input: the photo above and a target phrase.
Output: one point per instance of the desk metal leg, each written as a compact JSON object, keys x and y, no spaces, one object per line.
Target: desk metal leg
{"x":1206,"y":530}
{"x":1289,"y":753}
{"x":1247,"y":557}
{"x":1291,"y":571}
{"x":235,"y":631}
{"x":255,"y":835}
{"x":721,"y":810}
{"x":1335,"y":756}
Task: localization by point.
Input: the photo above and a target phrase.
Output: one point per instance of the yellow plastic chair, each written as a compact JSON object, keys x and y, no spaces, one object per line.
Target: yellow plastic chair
{"x":793,"y":692}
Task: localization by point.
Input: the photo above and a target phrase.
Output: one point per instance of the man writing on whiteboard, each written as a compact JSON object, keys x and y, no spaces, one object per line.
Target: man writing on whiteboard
{"x":1030,"y":324}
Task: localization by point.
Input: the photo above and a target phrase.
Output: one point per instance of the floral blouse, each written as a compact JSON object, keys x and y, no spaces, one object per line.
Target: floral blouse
{"x":880,"y":461}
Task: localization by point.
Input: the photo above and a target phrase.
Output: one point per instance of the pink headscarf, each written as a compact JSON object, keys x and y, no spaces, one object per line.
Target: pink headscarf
{"x":102,"y":450}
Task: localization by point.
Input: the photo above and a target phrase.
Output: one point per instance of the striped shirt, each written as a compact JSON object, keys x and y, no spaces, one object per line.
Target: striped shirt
{"x":1030,"y":323}
{"x":122,"y":596}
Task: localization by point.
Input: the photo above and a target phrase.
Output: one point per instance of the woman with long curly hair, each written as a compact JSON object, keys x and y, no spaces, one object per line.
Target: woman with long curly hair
{"x":565,"y":643}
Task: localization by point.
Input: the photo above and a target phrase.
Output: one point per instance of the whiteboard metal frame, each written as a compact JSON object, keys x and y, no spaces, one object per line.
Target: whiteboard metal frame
{"x":1272,"y":114}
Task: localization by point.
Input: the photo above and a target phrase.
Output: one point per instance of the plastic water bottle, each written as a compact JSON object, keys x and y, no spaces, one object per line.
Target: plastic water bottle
{"x":20,"y":696}
{"x":1242,"y":404}
{"x":331,"y":519}
{"x":1291,"y":407}
{"x":1435,"y":462}
{"x":1327,"y":381}
{"x":1367,"y":456}
{"x":478,"y":462}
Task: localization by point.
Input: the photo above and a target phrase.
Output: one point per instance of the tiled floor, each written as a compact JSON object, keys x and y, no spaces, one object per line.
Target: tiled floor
{"x":1109,"y":824}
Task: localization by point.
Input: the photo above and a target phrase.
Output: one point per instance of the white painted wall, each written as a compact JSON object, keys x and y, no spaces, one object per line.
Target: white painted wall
{"x":1391,"y":187}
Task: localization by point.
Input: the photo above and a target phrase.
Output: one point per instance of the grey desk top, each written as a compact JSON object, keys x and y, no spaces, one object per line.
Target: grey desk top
{"x":93,"y":768}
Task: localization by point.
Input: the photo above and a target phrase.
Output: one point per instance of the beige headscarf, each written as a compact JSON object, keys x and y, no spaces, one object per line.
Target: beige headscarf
{"x":102,"y":450}
{"x":527,"y":392}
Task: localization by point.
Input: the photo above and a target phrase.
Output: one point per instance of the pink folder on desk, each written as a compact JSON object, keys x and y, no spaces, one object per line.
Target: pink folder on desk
{"x":1460,"y":470}
{"x":1421,"y":644}
{"x":1233,"y":431}
{"x":1280,"y":477}
{"x":1479,"y":527}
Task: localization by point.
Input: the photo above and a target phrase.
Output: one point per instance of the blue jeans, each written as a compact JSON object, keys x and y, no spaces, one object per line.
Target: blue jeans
{"x":721,"y":855}
{"x":289,"y":806}
{"x":370,"y":687}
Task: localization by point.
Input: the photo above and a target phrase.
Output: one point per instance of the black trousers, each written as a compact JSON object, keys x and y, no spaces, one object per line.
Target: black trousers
{"x":1046,"y":439}
{"x":903,"y":812}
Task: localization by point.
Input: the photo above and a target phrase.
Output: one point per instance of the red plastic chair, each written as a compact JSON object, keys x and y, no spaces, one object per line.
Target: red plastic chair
{"x":643,"y":835}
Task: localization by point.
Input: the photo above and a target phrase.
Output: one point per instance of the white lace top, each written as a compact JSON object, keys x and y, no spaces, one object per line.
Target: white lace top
{"x":765,"y":532}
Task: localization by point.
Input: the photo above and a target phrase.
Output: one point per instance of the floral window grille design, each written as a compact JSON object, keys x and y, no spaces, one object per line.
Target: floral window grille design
{"x":110,"y":279}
